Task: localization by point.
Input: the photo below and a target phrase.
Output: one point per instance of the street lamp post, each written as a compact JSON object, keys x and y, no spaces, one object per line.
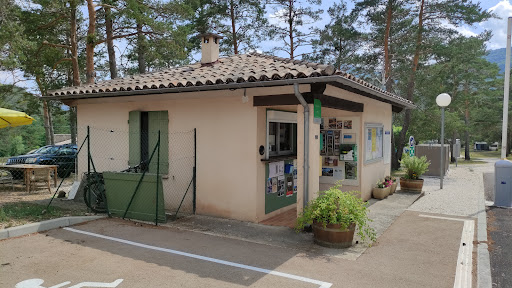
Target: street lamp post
{"x":442,"y":101}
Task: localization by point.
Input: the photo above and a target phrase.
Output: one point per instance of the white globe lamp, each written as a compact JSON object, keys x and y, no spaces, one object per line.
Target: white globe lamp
{"x":443,"y":100}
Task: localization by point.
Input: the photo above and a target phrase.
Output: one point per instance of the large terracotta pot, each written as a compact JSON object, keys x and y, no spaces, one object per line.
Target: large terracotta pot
{"x":331,"y":236}
{"x":409,"y":185}
{"x":393,"y":187}
{"x":381,"y":193}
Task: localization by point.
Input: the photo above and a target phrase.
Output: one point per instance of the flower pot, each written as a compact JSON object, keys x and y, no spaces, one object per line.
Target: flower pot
{"x":332,"y":236}
{"x":381,"y":193}
{"x":410,"y":185}
{"x":393,"y":187}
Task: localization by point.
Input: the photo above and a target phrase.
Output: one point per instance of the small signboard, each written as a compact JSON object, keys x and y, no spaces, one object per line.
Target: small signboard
{"x":317,"y":111}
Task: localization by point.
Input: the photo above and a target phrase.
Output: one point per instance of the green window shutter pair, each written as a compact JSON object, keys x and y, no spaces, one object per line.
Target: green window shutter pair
{"x":157,"y":120}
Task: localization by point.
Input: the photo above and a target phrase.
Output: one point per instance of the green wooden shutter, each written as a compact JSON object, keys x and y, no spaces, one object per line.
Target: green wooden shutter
{"x":134,"y":138}
{"x":159,"y":120}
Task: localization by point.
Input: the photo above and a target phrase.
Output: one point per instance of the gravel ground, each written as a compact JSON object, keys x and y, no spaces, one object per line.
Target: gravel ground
{"x":463,"y":187}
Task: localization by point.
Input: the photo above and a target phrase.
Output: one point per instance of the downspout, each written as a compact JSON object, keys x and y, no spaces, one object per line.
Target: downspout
{"x":306,"y":143}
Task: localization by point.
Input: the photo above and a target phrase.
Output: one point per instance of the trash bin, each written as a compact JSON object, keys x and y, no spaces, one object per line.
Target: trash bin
{"x":503,"y":183}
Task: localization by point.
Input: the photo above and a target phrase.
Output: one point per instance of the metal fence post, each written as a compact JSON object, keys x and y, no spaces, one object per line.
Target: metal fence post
{"x":157,"y":177}
{"x":194,"y":172}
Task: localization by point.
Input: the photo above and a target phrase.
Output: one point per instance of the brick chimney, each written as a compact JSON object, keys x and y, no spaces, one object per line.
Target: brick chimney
{"x":209,"y":47}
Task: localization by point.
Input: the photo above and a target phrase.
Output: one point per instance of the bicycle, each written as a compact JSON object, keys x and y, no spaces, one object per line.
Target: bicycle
{"x":94,"y":191}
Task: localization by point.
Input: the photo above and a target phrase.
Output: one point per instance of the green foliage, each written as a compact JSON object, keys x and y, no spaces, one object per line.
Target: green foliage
{"x":414,"y":167}
{"x":336,"y":207}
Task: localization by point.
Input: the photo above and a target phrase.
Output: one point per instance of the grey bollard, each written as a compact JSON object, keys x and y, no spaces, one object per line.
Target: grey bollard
{"x":503,"y":183}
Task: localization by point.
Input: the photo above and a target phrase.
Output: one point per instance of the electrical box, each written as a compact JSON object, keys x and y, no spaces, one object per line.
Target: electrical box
{"x":503,"y":183}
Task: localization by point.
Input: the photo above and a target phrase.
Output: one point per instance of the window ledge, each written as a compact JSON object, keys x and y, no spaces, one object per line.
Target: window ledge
{"x":279,"y":158}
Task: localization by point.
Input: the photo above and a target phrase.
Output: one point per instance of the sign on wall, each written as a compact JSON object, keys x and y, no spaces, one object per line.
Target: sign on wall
{"x":374,"y":136}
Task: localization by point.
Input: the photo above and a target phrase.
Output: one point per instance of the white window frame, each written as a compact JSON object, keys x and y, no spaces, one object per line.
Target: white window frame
{"x":279,"y":117}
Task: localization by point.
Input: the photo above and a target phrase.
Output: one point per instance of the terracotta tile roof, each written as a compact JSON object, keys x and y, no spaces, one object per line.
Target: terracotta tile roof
{"x":253,"y":67}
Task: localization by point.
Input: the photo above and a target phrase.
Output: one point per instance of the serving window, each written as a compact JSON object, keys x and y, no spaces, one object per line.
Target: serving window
{"x":281,"y":133}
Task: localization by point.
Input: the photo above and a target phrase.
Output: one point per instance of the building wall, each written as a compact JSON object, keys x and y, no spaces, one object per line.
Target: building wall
{"x":374,"y":112}
{"x":226,"y":147}
{"x":230,"y":173}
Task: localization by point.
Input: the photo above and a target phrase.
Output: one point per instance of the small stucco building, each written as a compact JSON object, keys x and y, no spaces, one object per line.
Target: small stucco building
{"x":271,"y":132}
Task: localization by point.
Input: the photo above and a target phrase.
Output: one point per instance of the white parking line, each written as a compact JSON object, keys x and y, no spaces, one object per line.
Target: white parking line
{"x":463,"y":276}
{"x":204,"y":258}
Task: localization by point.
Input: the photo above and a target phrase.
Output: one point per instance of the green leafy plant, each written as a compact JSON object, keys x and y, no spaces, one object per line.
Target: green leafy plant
{"x":381,"y":184}
{"x":336,"y":207}
{"x":414,"y":167}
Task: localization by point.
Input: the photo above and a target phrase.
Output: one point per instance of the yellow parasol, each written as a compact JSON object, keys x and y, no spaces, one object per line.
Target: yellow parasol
{"x":11,"y":118}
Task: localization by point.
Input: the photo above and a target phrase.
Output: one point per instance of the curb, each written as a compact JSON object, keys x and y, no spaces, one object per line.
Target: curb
{"x":484,"y":278}
{"x":45,"y":225}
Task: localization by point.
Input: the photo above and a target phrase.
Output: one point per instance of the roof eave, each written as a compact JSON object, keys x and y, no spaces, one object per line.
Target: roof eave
{"x":258,"y":84}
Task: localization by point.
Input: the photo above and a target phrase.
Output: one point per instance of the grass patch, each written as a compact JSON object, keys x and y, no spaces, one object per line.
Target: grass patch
{"x":22,"y":213}
{"x":469,"y":162}
{"x":485,"y":154}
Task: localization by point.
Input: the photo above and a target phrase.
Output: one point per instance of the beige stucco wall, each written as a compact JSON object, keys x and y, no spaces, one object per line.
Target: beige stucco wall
{"x":230,"y":174}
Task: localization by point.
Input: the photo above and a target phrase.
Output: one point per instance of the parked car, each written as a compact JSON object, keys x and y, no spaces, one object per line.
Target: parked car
{"x":62,"y":155}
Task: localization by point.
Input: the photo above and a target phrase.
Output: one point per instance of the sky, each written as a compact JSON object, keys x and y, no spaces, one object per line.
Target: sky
{"x":498,"y":26}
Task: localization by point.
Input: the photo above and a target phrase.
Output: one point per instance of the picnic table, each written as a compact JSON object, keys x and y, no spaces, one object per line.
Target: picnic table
{"x":29,"y":168}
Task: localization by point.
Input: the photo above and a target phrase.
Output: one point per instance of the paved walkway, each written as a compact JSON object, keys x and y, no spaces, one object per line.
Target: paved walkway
{"x":414,"y":252}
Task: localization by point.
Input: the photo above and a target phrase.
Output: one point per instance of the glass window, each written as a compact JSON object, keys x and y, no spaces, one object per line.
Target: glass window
{"x":281,"y":138}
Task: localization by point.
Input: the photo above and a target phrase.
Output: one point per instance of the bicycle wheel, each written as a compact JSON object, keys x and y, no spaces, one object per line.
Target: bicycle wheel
{"x":94,"y":194}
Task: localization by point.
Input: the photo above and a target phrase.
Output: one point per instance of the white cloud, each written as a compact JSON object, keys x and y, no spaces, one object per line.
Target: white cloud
{"x":498,"y":26}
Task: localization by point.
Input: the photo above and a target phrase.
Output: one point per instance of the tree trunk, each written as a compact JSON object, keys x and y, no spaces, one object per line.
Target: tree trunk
{"x":90,"y":43}
{"x":141,"y":49}
{"x":50,"y":126}
{"x":466,"y":133}
{"x":290,"y":26}
{"x":387,"y":60}
{"x":233,"y":26}
{"x":110,"y":43}
{"x":74,"y":45}
{"x":46,"y":119}
{"x":411,"y":84}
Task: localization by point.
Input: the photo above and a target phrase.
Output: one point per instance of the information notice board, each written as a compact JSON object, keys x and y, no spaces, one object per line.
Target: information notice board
{"x":374,"y":146}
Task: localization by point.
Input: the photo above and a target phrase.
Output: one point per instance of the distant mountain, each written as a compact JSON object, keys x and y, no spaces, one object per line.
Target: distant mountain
{"x":498,"y":56}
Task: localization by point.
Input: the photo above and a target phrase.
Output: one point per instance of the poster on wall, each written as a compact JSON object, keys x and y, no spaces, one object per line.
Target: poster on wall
{"x":348,"y":124}
{"x":289,"y":186}
{"x":281,"y":186}
{"x":274,"y":184}
{"x":332,"y":123}
{"x":269,"y":186}
{"x":275,"y":169}
{"x":328,"y":171}
{"x":351,"y":170}
{"x":338,"y":173}
{"x":339,"y":124}
{"x":374,"y":142}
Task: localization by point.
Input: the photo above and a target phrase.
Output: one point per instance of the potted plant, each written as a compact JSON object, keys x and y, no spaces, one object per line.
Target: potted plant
{"x":414,"y":167}
{"x":381,"y":189}
{"x":334,"y":216}
{"x":394,"y":183}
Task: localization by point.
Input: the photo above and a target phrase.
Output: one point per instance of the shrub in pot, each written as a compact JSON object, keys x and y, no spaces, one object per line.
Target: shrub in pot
{"x":414,"y":167}
{"x":334,"y":216}
{"x":381,"y":190}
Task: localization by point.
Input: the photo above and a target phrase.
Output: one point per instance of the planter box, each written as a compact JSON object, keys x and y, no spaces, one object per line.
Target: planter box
{"x":119,"y":188}
{"x":409,"y":185}
{"x":393,"y":187}
{"x":331,"y":236}
{"x":381,"y":193}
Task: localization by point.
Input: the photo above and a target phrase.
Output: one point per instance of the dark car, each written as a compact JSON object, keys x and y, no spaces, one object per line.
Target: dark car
{"x":62,"y":155}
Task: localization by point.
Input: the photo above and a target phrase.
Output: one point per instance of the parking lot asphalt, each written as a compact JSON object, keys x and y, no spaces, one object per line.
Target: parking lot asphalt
{"x":499,"y":223}
{"x":414,"y":251}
